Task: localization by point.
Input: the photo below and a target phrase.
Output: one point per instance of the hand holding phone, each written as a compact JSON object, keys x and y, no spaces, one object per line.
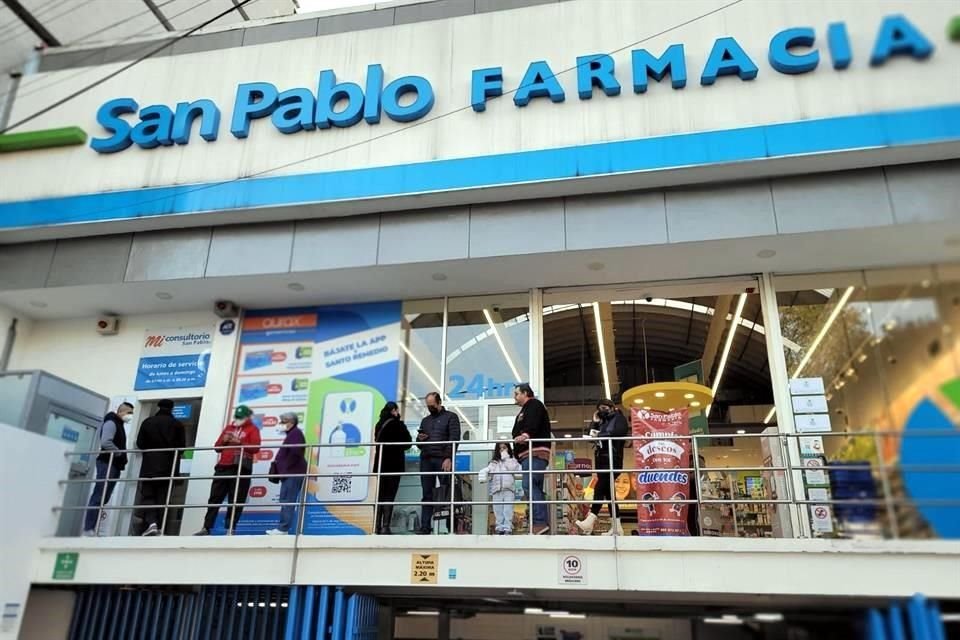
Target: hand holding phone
{"x":422,"y":436}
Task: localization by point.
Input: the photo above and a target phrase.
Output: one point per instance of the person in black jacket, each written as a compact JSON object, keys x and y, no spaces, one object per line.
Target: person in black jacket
{"x":160,"y":431}
{"x":439,"y":426}
{"x":394,"y":439}
{"x":533,"y":423}
{"x":608,"y":422}
{"x":112,"y":438}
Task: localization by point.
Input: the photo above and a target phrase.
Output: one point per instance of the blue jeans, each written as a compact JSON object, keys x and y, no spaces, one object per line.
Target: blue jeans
{"x":96,"y":496}
{"x":289,"y":492}
{"x":540,"y":510}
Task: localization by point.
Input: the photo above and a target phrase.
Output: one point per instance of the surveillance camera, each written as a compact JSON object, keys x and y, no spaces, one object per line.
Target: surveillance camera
{"x":496,"y":308}
{"x":649,"y":298}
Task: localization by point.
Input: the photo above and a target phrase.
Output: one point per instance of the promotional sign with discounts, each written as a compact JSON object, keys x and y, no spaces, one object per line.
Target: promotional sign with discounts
{"x":659,"y":475}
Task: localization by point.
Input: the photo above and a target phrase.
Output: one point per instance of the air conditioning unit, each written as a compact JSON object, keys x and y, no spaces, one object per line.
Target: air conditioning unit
{"x":226,"y":309}
{"x":108,"y":325}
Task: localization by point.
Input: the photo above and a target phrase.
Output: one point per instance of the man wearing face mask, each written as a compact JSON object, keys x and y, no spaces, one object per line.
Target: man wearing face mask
{"x":439,"y":426}
{"x":158,"y":434}
{"x":290,"y":462}
{"x":608,"y":422}
{"x":237,"y":445}
{"x":112,"y":437}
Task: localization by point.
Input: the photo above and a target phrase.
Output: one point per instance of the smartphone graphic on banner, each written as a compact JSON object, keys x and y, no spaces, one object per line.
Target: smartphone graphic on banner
{"x":347,"y":421}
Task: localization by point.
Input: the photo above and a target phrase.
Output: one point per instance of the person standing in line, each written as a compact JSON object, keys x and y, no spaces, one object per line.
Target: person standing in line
{"x":237,"y":445}
{"x":533,"y":423}
{"x":290,"y":462}
{"x":500,"y":473}
{"x":608,"y":422}
{"x":157,"y":435}
{"x":112,"y":438}
{"x":393,"y":438}
{"x":439,"y":426}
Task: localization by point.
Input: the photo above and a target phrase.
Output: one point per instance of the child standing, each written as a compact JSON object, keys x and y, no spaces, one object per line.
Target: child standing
{"x":501,"y":475}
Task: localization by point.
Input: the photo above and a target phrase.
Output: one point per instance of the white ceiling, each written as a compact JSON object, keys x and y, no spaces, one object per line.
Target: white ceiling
{"x":837,"y":250}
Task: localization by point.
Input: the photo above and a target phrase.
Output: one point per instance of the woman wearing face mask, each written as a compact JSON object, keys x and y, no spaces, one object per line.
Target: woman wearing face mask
{"x":501,"y":474}
{"x":607,"y":423}
{"x":290,"y":462}
{"x":394,"y":439}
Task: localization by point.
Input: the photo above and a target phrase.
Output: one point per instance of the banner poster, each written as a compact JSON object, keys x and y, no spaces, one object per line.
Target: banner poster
{"x":335,"y":367}
{"x":174,"y":359}
{"x":657,"y":477}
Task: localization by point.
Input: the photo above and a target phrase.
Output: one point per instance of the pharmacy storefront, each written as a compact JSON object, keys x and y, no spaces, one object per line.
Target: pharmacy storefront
{"x":762,"y":198}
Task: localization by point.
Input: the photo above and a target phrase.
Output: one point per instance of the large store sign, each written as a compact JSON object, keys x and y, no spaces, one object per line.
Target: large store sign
{"x":410,"y":98}
{"x":335,"y":367}
{"x":174,"y":359}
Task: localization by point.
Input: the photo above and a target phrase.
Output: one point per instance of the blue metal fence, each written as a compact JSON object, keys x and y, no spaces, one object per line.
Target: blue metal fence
{"x":917,"y":619}
{"x":223,"y":613}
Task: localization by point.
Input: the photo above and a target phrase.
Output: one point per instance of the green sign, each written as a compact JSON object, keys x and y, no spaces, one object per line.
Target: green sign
{"x":65,"y":568}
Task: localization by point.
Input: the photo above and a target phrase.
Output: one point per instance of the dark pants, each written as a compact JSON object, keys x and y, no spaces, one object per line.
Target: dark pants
{"x":534,"y":492}
{"x":602,"y":493}
{"x":224,"y":487}
{"x":97,"y":496}
{"x":386,"y":494}
{"x":431,"y":467}
{"x":289,"y":493}
{"x":153,"y":495}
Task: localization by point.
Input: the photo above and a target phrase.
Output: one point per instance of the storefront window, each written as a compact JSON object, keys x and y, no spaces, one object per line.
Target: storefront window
{"x":881,"y":345}
{"x":421,"y":340}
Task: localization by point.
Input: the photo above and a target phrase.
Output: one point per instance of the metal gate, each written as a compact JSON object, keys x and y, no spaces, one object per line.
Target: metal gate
{"x":222,"y":613}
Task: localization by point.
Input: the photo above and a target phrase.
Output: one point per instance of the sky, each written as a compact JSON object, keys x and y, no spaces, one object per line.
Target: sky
{"x":306,"y":6}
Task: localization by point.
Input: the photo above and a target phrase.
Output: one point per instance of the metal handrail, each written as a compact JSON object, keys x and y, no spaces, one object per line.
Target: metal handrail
{"x":792,"y":499}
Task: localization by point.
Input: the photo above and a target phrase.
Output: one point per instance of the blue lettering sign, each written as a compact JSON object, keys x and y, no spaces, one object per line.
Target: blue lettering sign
{"x":727,"y":59}
{"x":538,"y":82}
{"x":786,"y":61}
{"x":645,"y":65}
{"x":596,"y":71}
{"x":898,"y":37}
{"x":486,"y":83}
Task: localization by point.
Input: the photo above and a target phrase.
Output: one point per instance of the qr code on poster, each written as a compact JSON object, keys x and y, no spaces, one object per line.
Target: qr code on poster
{"x":342,"y":485}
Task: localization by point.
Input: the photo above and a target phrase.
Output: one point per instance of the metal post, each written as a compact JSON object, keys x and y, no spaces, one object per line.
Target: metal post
{"x":166,"y":503}
{"x":529,"y":487}
{"x":696,"y":482}
{"x":378,"y":464}
{"x":885,"y":483}
{"x":443,"y":625}
{"x":452,"y":523}
{"x":232,"y":510}
{"x":612,"y":489}
{"x":103,"y":490}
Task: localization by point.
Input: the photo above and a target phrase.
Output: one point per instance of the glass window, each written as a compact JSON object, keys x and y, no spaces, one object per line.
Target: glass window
{"x":883,"y":345}
{"x":421,"y":339}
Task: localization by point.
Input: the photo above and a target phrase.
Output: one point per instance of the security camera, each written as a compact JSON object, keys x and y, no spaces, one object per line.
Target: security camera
{"x":649,"y":298}
{"x":226,"y":309}
{"x":496,"y":308}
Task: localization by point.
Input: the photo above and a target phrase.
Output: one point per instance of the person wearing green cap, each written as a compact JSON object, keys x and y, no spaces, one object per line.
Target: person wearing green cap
{"x":237,"y":445}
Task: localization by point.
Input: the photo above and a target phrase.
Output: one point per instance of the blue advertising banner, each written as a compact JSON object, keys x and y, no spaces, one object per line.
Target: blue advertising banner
{"x":174,"y":359}
{"x":335,"y":367}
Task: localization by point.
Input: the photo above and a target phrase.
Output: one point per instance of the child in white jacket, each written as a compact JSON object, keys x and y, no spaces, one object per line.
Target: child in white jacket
{"x":501,"y":474}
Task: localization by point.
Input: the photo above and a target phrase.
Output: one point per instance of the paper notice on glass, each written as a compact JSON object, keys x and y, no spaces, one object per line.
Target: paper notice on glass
{"x":806,"y":386}
{"x":810,"y":404}
{"x":821,"y":519}
{"x":815,"y":477}
{"x":505,"y":424}
{"x":818,"y":494}
{"x":811,"y":446}
{"x":812,"y":422}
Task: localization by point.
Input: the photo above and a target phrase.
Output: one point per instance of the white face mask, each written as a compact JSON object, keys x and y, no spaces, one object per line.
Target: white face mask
{"x":239,"y":421}
{"x":504,"y":454}
{"x":127,"y":418}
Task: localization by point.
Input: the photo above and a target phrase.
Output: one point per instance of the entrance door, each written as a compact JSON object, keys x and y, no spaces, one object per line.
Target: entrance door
{"x":70,"y":426}
{"x":187,"y":411}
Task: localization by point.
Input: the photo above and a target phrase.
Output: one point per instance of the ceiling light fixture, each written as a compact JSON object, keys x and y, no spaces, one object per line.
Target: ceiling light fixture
{"x":569,"y":616}
{"x":163,"y":295}
{"x":817,"y":340}
{"x":731,"y":334}
{"x":503,"y":348}
{"x":431,"y":380}
{"x":660,"y":394}
{"x":768,"y":617}
{"x":638,"y":401}
{"x":724,"y":620}
{"x":295,"y":286}
{"x":423,"y":613}
{"x":689,"y":396}
{"x":603,"y":351}
{"x":694,"y":404}
{"x":741,"y":431}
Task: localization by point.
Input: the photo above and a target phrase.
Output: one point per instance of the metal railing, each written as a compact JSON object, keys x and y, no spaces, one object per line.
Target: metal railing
{"x":786,"y":478}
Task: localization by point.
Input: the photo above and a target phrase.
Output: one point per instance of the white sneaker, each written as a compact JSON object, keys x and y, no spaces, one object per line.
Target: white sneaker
{"x":89,"y":534}
{"x":615,"y":529}
{"x":277,"y":532}
{"x":586,"y":525}
{"x":152,"y":530}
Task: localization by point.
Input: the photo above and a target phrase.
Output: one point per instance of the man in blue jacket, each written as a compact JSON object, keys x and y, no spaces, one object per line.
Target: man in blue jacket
{"x":436,"y":460}
{"x":112,"y":438}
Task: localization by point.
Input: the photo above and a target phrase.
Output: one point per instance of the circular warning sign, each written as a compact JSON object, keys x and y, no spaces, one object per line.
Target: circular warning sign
{"x":573,"y":570}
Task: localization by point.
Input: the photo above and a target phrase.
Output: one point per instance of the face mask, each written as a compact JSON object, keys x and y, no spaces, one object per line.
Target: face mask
{"x":504,"y":454}
{"x":239,"y":421}
{"x":127,"y":418}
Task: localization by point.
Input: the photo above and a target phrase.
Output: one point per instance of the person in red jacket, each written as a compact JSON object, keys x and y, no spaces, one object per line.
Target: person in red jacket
{"x":237,"y":445}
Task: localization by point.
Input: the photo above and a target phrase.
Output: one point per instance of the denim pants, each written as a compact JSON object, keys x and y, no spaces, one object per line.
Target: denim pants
{"x":97,"y":495}
{"x":540,"y":510}
{"x":503,"y":510}
{"x":289,"y":492}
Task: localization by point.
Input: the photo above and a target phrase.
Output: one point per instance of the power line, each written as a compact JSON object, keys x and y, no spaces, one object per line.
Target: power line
{"x":414,"y":125}
{"x":41,"y":86}
{"x":130,"y":65}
